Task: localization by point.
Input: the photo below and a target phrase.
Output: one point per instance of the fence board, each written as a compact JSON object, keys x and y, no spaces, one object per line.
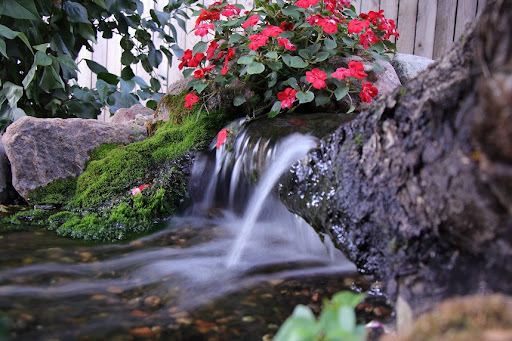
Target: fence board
{"x":425,"y":28}
{"x":445,"y":27}
{"x":369,"y":5}
{"x":466,"y":12}
{"x":407,"y":14}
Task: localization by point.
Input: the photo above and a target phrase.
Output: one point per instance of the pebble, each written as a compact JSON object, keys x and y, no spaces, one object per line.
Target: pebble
{"x":248,"y":319}
{"x":142,"y":332}
{"x":152,"y":301}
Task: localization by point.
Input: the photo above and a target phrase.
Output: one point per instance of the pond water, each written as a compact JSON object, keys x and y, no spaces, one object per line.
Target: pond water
{"x":219,"y":272}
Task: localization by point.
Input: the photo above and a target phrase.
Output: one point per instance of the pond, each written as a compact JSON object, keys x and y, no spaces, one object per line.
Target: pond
{"x":217,"y":272}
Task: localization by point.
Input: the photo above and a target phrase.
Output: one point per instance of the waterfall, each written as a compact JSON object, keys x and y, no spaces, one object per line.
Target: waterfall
{"x":242,"y":177}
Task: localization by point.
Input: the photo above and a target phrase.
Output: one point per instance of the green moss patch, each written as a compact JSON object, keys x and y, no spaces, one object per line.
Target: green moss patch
{"x":99,"y":204}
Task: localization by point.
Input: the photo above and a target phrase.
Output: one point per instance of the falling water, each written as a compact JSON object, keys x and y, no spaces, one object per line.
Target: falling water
{"x":288,"y":152}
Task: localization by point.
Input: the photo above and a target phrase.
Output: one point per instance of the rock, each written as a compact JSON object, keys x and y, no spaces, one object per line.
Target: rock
{"x":408,"y":66}
{"x":137,"y":113}
{"x":43,"y":150}
{"x":8,"y":194}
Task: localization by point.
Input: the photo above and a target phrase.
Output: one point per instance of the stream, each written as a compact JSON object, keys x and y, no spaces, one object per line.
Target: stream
{"x":232,"y":267}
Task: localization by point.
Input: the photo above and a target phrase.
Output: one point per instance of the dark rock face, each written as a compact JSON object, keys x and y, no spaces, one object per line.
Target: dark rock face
{"x":44,"y":150}
{"x":417,"y":190}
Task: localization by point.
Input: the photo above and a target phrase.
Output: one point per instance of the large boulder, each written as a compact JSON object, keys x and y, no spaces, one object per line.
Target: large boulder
{"x":44,"y":150}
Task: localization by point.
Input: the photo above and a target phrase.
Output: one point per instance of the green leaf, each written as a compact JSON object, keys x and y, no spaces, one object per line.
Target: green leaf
{"x":187,"y":72}
{"x":379,"y":56}
{"x":200,"y":47}
{"x":346,"y":319}
{"x":377,"y":67}
{"x":320,"y":57}
{"x":330,"y":44}
{"x":110,"y":78}
{"x":24,"y":38}
{"x":305,"y":97}
{"x":306,"y":54}
{"x":280,"y":3}
{"x":160,"y":17}
{"x":50,"y":80}
{"x":351,"y":109}
{"x":298,"y":63}
{"x":76,"y":12}
{"x":100,"y":3}
{"x":245,"y":60}
{"x":13,"y":93}
{"x":127,"y":58}
{"x":235,"y":38}
{"x":29,"y":77}
{"x":66,"y":60}
{"x":321,"y":100}
{"x":200,"y":86}
{"x":126,"y":86}
{"x":3,"y":48}
{"x":255,"y":68}
{"x":19,"y":9}
{"x":275,"y":66}
{"x":87,"y":31}
{"x":239,"y":100}
{"x":127,"y":73}
{"x":58,"y":45}
{"x":155,"y":84}
{"x":103,"y":89}
{"x":349,"y":42}
{"x":95,"y":67}
{"x":276,"y":109}
{"x":292,"y":11}
{"x":6,"y":32}
{"x":272,"y":55}
{"x":341,"y":92}
{"x":291,"y":82}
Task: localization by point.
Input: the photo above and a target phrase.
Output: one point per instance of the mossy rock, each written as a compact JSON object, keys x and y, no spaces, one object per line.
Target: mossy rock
{"x":99,"y":205}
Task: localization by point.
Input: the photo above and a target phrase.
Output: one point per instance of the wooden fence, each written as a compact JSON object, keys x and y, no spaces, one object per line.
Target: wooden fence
{"x":427,"y":28}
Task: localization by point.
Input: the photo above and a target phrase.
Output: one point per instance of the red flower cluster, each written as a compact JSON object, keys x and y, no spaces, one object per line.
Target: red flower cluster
{"x":329,"y":24}
{"x":355,"y":69}
{"x":383,"y":24}
{"x":306,"y":3}
{"x":188,"y":60}
{"x":257,"y":41}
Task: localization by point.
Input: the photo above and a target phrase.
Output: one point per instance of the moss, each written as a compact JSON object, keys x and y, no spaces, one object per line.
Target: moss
{"x":34,"y":217}
{"x":359,"y":140}
{"x":99,"y":203}
{"x":56,"y":193}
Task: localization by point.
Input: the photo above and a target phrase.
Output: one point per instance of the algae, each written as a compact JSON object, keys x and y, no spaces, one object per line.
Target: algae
{"x":99,"y":205}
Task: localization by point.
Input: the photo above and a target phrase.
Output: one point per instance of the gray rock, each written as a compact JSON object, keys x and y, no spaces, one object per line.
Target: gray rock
{"x":136,"y":113}
{"x":408,"y":66}
{"x":43,"y":150}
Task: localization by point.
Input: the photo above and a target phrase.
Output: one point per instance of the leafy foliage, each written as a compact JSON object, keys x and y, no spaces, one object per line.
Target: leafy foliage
{"x":337,"y":321}
{"x":282,"y":51}
{"x":40,"y":41}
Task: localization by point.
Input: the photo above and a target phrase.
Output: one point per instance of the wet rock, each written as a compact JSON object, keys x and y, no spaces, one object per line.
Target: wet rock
{"x":408,"y":66}
{"x":414,"y":190}
{"x":8,"y":194}
{"x":44,"y":150}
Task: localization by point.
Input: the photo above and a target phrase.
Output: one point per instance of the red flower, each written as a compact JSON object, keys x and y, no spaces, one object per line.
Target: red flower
{"x":285,"y":26}
{"x":257,"y":41}
{"x":316,"y":77}
{"x":194,"y":62}
{"x":368,"y":38}
{"x":314,"y":19}
{"x":272,"y":31}
{"x":329,"y":25}
{"x":211,"y":50}
{"x":190,"y":100}
{"x":222,"y":137}
{"x":389,"y":27}
{"x":202,"y":30}
{"x":137,"y":190}
{"x":306,"y":3}
{"x":357,"y":26}
{"x":287,"y":97}
{"x":230,"y":10}
{"x":374,"y":17}
{"x":201,"y":72}
{"x":251,"y":21}
{"x":341,"y":73}
{"x":205,"y":15}
{"x":286,"y":44}
{"x":357,"y":70}
{"x":230,"y":54}
{"x":368,"y":92}
{"x":187,"y":55}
